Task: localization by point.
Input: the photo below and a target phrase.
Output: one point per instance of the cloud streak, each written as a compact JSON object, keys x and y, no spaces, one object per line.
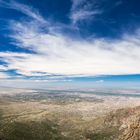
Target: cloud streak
{"x":4,"y":75}
{"x":83,"y":10}
{"x":56,"y":54}
{"x":26,"y":10}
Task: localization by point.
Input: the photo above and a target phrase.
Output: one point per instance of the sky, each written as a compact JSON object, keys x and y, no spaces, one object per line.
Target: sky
{"x":81,"y":43}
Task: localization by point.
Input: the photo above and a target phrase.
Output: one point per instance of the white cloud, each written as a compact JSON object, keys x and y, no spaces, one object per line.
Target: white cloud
{"x":100,"y":81}
{"x":4,"y":75}
{"x":56,"y":54}
{"x":2,"y":68}
{"x":83,"y":15}
{"x":29,"y":11}
{"x":76,"y":3}
{"x":82,"y":10}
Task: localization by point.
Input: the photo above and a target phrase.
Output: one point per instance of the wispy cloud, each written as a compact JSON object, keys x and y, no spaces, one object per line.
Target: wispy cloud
{"x":80,"y":15}
{"x":83,"y":10}
{"x":2,"y":68}
{"x":29,"y":11}
{"x":57,"y":54}
{"x":4,"y":75}
{"x":100,"y":81}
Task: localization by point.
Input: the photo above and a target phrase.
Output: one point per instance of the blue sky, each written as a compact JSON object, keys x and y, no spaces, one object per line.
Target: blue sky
{"x":83,"y":42}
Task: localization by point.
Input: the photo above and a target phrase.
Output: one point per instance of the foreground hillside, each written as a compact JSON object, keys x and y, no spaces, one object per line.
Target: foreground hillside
{"x":123,"y":124}
{"x":127,"y":122}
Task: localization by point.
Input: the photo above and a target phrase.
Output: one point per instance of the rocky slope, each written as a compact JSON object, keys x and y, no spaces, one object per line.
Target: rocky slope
{"x":127,"y":121}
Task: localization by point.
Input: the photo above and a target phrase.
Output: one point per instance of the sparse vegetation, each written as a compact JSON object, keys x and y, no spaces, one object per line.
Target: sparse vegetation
{"x":110,"y":133}
{"x":43,"y":130}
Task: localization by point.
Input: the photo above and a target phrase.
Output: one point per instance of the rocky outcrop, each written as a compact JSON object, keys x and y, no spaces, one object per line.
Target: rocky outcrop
{"x":132,"y":129}
{"x":127,"y":121}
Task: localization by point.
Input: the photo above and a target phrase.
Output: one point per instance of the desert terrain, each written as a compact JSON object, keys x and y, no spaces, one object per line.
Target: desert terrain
{"x":27,"y":114}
